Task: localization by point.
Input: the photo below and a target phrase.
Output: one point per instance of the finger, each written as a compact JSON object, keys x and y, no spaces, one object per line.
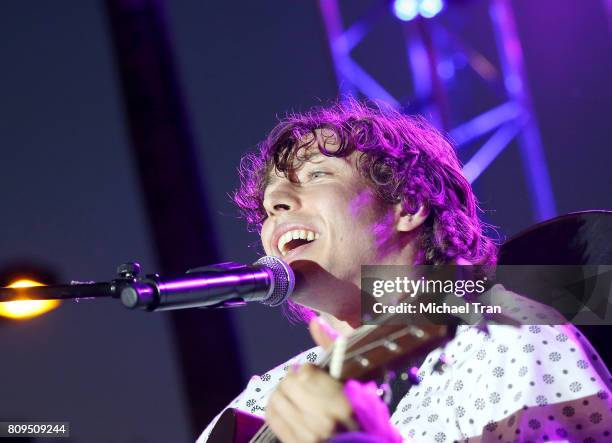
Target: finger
{"x":322,"y":333}
{"x":321,"y":398}
{"x":285,"y":420}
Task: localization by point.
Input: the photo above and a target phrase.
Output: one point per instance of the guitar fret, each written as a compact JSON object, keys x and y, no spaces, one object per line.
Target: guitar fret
{"x":389,"y":342}
{"x":375,"y":344}
{"x":265,"y":434}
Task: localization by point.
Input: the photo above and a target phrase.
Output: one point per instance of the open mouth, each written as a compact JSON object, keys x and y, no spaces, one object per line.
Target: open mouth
{"x":294,"y":239}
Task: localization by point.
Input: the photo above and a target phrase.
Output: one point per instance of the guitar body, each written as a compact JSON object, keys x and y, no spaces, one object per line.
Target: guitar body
{"x":235,"y":426}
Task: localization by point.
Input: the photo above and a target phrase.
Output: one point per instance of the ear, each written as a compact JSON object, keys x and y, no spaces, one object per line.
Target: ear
{"x":406,"y":222}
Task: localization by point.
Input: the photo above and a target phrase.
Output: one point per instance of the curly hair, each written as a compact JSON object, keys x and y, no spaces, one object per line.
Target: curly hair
{"x":403,"y":158}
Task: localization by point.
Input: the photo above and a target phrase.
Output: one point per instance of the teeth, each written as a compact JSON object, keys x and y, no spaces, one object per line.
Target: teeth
{"x":294,"y":235}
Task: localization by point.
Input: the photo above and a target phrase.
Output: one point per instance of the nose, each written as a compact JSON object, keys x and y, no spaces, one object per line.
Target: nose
{"x":283,"y":198}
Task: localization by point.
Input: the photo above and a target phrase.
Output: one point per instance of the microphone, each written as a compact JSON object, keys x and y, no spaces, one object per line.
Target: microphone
{"x":269,"y":281}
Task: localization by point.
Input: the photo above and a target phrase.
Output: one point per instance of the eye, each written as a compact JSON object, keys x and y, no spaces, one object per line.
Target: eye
{"x":316,"y":174}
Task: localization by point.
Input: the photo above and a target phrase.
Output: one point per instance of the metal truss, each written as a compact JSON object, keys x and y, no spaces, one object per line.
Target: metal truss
{"x":425,"y":39}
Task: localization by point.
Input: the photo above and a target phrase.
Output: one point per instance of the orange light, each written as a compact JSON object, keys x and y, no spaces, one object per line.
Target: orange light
{"x":24,"y":309}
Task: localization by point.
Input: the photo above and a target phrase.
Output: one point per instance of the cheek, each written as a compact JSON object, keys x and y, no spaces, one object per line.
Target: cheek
{"x":265,"y":236}
{"x":351,"y":220}
{"x":359,"y":205}
{"x":367,"y":210}
{"x":373,"y":220}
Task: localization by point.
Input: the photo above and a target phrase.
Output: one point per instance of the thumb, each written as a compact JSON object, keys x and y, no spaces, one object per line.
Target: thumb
{"x":322,"y":333}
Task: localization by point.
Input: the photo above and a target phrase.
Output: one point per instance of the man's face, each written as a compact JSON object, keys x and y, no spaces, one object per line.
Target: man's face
{"x":341,"y":222}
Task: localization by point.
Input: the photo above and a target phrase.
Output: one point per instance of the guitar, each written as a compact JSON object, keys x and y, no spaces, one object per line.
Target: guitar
{"x":368,"y":354}
{"x":579,"y":238}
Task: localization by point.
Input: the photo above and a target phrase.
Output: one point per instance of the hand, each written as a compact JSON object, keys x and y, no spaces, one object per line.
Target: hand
{"x":311,"y":406}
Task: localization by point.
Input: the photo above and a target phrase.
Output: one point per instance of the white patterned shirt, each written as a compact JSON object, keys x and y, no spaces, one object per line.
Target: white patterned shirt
{"x":509,"y":384}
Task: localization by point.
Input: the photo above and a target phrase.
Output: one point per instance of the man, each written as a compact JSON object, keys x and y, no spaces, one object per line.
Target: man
{"x":339,"y":187}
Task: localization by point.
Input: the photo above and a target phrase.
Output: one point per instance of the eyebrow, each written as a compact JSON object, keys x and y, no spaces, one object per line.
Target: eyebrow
{"x":273,"y":177}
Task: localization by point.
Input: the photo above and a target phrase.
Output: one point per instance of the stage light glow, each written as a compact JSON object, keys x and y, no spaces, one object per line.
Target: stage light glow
{"x":406,"y":10}
{"x":23,"y":309}
{"x":446,"y":69}
{"x":430,"y":8}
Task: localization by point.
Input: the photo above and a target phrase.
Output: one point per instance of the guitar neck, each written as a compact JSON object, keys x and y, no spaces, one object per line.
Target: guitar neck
{"x":372,"y":350}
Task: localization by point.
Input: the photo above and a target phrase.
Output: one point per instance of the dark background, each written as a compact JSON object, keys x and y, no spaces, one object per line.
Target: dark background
{"x":71,"y":200}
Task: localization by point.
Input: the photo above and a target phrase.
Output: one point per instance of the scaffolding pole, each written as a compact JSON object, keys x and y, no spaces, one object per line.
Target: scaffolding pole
{"x":512,"y":119}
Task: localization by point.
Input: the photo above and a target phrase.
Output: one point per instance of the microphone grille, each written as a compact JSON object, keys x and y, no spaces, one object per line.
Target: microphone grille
{"x":283,"y":277}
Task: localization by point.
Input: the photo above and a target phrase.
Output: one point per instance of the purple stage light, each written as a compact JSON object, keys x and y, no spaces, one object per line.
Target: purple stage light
{"x":406,"y":10}
{"x":446,"y":69}
{"x":430,"y":8}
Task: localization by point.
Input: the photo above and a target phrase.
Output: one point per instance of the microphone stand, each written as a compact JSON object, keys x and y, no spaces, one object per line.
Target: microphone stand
{"x":222,"y":285}
{"x":127,"y":275}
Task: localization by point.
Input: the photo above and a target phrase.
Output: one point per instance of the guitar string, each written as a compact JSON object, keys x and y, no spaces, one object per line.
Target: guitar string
{"x":265,"y":434}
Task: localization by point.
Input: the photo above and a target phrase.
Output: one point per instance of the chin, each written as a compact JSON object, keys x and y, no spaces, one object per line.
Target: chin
{"x":319,"y":289}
